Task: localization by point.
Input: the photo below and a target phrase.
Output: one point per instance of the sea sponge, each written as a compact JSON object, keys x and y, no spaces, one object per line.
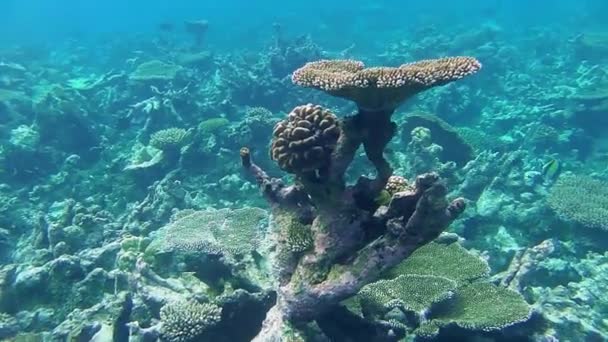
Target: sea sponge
{"x":382,"y":88}
{"x":184,"y":321}
{"x":581,"y":199}
{"x":169,"y":139}
{"x":305,"y":140}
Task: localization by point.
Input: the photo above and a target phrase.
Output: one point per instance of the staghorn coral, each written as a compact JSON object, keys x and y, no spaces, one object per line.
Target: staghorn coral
{"x":581,"y":199}
{"x":169,"y":139}
{"x":298,"y":237}
{"x":185,"y":321}
{"x":382,"y":87}
{"x":305,"y":140}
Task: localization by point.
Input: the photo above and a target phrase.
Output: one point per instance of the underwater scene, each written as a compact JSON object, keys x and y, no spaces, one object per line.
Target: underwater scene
{"x":294,"y":171}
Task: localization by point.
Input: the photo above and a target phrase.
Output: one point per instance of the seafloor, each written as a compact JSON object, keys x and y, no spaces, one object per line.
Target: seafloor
{"x":129,"y":212}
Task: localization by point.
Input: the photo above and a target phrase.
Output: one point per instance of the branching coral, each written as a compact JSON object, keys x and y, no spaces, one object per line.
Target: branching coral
{"x":581,"y":199}
{"x":169,"y":139}
{"x":354,"y":238}
{"x":186,"y":321}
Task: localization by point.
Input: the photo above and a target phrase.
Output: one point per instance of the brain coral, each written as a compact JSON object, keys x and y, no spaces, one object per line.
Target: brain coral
{"x":305,"y":140}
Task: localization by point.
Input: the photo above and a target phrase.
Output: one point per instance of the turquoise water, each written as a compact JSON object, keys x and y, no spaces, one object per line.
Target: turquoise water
{"x":163,"y":178}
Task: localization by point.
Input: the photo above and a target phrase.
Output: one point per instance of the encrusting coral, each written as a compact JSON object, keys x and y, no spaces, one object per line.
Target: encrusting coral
{"x":355,"y":239}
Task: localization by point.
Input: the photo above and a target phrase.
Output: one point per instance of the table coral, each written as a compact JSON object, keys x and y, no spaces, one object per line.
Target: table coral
{"x":581,"y":199}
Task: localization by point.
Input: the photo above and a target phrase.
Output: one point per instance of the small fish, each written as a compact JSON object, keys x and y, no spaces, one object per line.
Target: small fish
{"x":552,"y":169}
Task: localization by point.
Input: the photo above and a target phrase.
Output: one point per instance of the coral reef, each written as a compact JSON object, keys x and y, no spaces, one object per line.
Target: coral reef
{"x":341,"y":215}
{"x":122,"y":195}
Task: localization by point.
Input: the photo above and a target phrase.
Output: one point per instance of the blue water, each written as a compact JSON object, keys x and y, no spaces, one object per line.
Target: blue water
{"x":45,"y":21}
